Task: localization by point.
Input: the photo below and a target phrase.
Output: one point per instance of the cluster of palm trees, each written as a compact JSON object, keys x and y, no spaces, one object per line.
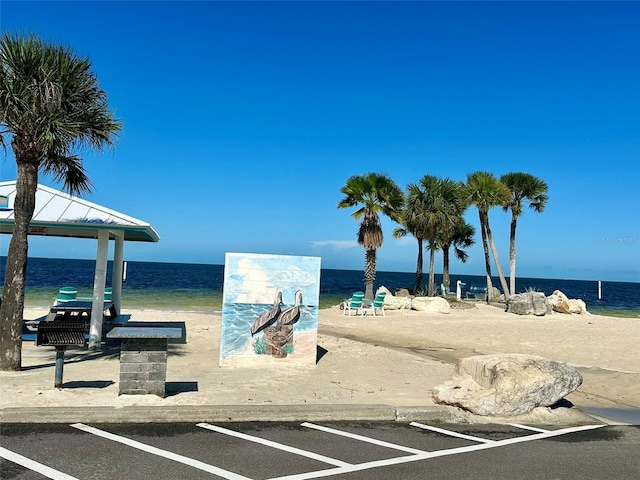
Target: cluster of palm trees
{"x":433,"y":209}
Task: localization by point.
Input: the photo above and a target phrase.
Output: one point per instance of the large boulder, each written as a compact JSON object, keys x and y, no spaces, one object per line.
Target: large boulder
{"x":529,"y":303}
{"x":561,"y":303}
{"x":431,"y":304}
{"x":507,"y":384}
{"x":392,"y":302}
{"x":403,"y":292}
{"x":496,"y":295}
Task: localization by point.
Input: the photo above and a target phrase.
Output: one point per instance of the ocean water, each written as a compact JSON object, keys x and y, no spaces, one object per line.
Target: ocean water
{"x":198,"y":287}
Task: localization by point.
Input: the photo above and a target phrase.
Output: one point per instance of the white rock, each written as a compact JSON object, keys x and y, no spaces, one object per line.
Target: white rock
{"x":577,"y":306}
{"x":507,"y":384}
{"x":561,"y":303}
{"x":431,"y":304}
{"x":392,"y":302}
{"x":529,"y":303}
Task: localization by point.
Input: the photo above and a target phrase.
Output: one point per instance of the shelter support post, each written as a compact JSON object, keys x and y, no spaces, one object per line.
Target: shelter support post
{"x":100,"y":278}
{"x":116,"y":280}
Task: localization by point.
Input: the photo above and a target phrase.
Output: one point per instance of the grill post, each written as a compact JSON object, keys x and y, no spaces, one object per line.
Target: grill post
{"x":59,"y":366}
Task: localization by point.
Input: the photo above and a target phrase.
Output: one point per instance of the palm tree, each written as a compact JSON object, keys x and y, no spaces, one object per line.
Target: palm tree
{"x":523,"y":187}
{"x":401,"y":232}
{"x":50,"y":106}
{"x":414,"y":220}
{"x":375,"y":193}
{"x":460,"y":237}
{"x":485,"y":192}
{"x":433,"y":205}
{"x":448,"y":206}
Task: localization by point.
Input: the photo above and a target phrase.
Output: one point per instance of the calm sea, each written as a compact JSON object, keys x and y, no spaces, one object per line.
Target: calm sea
{"x":198,"y":287}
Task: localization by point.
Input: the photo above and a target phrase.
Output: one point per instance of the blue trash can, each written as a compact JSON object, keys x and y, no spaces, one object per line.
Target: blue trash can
{"x":67,"y":293}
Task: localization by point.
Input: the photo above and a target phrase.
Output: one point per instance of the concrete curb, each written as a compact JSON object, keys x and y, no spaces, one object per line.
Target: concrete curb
{"x":273,"y":413}
{"x":224,"y":413}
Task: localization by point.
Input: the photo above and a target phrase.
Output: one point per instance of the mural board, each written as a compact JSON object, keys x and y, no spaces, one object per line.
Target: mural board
{"x":269,"y":309}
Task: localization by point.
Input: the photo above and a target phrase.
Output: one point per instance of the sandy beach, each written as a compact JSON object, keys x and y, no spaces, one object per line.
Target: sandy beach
{"x":606,"y":350}
{"x":395,"y":360}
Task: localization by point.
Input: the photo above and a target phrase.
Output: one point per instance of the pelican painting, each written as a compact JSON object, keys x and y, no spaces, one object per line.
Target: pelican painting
{"x":268,"y":318}
{"x":291,"y":315}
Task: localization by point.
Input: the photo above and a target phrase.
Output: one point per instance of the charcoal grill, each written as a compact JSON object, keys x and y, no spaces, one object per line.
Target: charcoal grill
{"x":61,"y":334}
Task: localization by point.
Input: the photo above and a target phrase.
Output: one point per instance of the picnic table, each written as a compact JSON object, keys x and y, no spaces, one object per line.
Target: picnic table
{"x":76,"y":309}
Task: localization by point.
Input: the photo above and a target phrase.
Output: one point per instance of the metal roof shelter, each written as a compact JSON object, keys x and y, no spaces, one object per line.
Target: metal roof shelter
{"x":58,"y":214}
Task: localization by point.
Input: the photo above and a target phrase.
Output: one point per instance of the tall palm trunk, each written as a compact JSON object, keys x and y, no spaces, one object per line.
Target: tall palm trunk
{"x":445,"y":267}
{"x":369,"y":272}
{"x":12,"y":307}
{"x":503,"y":281}
{"x":487,"y":258}
{"x":432,"y":261}
{"x":418,"y":286}
{"x":512,"y":255}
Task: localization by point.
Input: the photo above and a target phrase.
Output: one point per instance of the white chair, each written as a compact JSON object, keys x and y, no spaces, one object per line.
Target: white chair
{"x":445,"y":292}
{"x":377,"y":304}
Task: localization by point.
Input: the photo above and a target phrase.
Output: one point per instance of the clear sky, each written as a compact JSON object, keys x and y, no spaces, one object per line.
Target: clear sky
{"x":243,"y":120}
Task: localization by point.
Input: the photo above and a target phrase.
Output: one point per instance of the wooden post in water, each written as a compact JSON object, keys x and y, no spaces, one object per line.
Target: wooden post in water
{"x":599,"y":289}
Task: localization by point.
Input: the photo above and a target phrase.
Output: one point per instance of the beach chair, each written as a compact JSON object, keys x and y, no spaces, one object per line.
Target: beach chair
{"x":445,"y":292}
{"x":354,"y":304}
{"x":377,"y":304}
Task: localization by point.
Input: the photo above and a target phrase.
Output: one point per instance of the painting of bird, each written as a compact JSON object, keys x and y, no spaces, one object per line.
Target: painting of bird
{"x":269,"y":317}
{"x":291,"y":315}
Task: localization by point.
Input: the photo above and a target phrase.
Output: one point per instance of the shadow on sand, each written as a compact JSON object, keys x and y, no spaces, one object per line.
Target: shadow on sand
{"x":89,"y":384}
{"x":175,"y":388}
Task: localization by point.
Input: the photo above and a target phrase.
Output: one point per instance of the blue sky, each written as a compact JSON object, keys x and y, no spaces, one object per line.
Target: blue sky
{"x":243,"y":120}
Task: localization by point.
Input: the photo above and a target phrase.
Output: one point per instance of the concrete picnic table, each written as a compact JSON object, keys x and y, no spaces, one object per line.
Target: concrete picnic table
{"x":79,"y":308}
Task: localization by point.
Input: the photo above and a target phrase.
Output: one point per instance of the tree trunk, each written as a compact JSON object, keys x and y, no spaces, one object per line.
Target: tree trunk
{"x":418,"y":285}
{"x":445,"y":267}
{"x":369,"y":273}
{"x":512,"y":255}
{"x":487,"y":258}
{"x":432,"y":260}
{"x":503,"y":281}
{"x":12,"y":307}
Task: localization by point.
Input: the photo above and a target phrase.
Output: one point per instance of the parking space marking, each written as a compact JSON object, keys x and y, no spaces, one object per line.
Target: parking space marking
{"x":34,"y":466}
{"x":339,"y":468}
{"x":279,"y":446}
{"x":161,"y":453}
{"x":527,"y":427}
{"x":439,"y":453}
{"x":362,"y":438}
{"x":510,"y":441}
{"x":451,"y":433}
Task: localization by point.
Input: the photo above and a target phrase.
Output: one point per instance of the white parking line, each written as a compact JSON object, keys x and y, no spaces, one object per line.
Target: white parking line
{"x":362,"y":438}
{"x":440,"y":453}
{"x":161,"y":453}
{"x":450,"y":433}
{"x":34,"y":466}
{"x":527,"y":427}
{"x":279,"y":446}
